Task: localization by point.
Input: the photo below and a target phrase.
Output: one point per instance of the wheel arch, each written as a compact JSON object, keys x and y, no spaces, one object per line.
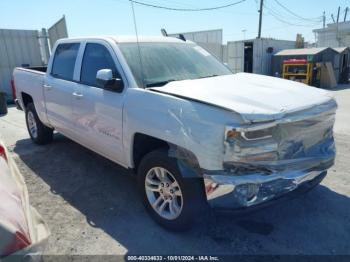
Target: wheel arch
{"x":26,"y":99}
{"x":143,"y":144}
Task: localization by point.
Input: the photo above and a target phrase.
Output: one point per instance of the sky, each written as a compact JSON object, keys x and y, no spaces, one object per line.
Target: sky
{"x":114,"y":17}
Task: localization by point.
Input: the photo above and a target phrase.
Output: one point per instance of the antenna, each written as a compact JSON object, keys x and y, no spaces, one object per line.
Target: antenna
{"x":138,"y":44}
{"x":182,"y":37}
{"x":164,"y":32}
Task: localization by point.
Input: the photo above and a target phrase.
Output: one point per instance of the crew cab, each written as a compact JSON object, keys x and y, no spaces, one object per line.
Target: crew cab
{"x":195,"y":134}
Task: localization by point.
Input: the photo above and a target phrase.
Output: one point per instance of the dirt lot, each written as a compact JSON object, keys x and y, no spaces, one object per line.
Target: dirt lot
{"x":92,"y":205}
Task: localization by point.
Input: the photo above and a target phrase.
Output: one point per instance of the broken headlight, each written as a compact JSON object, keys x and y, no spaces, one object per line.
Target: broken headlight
{"x":248,"y":146}
{"x":257,"y":134}
{"x":233,"y":134}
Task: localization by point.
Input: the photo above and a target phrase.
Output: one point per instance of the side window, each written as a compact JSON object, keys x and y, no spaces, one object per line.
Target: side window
{"x":64,"y":61}
{"x":96,"y":57}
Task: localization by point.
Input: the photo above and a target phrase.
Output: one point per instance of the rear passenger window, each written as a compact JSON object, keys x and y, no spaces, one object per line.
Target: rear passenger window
{"x":64,"y":61}
{"x":96,"y":57}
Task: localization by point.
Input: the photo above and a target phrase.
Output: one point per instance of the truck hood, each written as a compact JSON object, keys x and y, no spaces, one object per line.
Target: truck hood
{"x":255,"y":97}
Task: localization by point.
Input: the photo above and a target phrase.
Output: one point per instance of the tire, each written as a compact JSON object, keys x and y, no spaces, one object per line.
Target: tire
{"x":179,"y":212}
{"x":39,"y":133}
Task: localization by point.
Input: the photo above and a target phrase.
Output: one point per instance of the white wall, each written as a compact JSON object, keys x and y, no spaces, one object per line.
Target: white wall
{"x":58,"y":31}
{"x":211,"y":40}
{"x":17,"y":47}
{"x":262,"y":60}
{"x":333,"y":37}
{"x":235,"y":56}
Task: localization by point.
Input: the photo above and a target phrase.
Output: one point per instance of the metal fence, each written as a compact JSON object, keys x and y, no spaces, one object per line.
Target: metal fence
{"x":17,"y":48}
{"x":57,"y":31}
{"x":26,"y":48}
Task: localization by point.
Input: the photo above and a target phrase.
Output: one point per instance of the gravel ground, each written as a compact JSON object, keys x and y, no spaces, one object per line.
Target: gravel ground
{"x":92,"y":206}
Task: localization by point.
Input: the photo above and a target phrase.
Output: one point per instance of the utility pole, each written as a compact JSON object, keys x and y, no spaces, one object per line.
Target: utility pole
{"x":346,"y":12}
{"x":324,"y":19}
{"x":338,"y":14}
{"x":333,"y":18}
{"x":260,"y":17}
{"x":337,"y":35}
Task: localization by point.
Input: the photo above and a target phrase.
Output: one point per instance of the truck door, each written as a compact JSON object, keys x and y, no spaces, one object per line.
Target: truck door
{"x":97,"y":112}
{"x":59,"y":85}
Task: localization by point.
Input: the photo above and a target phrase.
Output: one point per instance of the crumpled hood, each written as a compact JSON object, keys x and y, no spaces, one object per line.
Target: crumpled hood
{"x":255,"y":97}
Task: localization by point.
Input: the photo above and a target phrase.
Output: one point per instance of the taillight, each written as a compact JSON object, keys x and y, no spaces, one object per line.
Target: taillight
{"x":3,"y":152}
{"x":13,"y":86}
{"x":19,"y":242}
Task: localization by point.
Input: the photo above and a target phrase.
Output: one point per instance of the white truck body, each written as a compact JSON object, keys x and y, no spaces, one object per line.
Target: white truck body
{"x":191,"y":115}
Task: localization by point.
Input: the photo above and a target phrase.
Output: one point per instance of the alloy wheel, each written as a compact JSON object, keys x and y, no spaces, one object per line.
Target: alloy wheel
{"x":163,"y":193}
{"x":33,"y":129}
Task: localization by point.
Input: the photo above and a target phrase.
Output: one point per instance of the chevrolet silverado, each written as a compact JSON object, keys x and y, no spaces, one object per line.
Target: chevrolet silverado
{"x":195,"y":134}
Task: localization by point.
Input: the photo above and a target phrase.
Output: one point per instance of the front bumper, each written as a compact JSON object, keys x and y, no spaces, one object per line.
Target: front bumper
{"x":225,"y":191}
{"x":287,"y":154}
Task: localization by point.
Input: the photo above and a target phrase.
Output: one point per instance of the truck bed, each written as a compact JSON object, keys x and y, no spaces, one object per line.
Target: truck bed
{"x":29,"y":83}
{"x":34,"y":69}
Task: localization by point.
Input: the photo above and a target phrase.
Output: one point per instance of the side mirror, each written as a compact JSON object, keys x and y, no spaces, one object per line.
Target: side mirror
{"x":106,"y":80}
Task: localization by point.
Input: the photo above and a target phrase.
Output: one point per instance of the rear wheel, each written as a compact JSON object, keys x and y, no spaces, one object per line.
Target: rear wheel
{"x":172,"y":200}
{"x":38,"y":132}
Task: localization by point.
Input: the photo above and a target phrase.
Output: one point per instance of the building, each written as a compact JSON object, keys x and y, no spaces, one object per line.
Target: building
{"x":334,"y":35}
{"x":322,"y":60}
{"x":255,"y":55}
{"x":315,"y":55}
{"x":342,"y":64}
{"x":252,"y":56}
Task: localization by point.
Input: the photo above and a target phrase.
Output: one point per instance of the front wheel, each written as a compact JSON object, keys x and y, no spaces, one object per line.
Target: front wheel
{"x":172,"y":200}
{"x":38,"y":132}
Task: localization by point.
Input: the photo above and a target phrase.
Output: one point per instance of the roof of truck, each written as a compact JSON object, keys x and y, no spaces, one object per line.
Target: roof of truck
{"x":128,"y":39}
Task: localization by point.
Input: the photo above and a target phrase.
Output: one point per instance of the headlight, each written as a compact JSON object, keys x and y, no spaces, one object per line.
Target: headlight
{"x":232,"y":134}
{"x":247,"y":146}
{"x":258,"y":134}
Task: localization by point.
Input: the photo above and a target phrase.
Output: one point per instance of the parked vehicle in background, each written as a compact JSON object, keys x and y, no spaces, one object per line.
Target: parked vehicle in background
{"x":23,"y":233}
{"x":194,"y":132}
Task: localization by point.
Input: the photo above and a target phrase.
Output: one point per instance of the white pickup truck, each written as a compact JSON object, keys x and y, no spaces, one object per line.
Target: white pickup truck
{"x":194,"y":133}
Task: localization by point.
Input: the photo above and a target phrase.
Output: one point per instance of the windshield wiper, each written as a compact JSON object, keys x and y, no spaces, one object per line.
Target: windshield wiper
{"x":160,"y":83}
{"x":207,"y":76}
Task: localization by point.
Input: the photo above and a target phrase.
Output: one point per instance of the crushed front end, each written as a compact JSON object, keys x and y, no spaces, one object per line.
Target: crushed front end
{"x":264,"y":161}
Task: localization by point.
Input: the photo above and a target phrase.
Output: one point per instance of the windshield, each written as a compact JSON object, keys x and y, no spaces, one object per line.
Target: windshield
{"x":166,"y":62}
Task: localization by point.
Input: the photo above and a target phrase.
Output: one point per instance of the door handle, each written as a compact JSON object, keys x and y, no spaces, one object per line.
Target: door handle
{"x":47,"y":87}
{"x":77,"y":95}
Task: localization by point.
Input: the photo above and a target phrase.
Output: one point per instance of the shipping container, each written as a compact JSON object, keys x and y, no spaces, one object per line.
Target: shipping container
{"x":255,"y":55}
